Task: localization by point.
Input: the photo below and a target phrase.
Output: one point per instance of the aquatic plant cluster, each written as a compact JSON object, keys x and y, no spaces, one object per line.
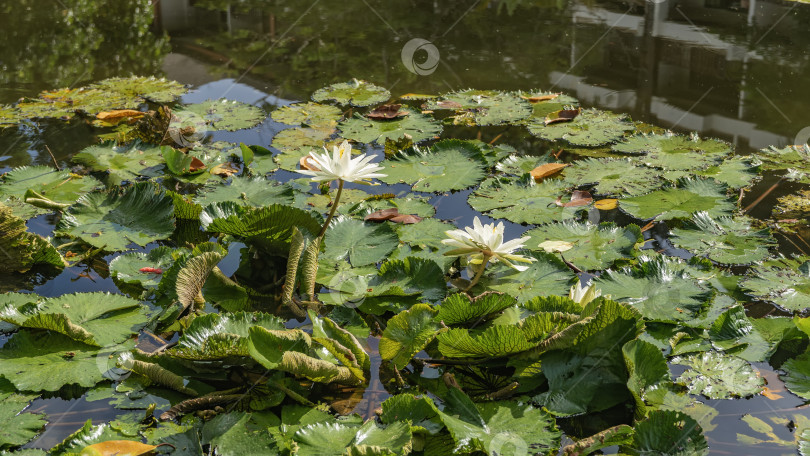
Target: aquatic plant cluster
{"x":484,"y":343}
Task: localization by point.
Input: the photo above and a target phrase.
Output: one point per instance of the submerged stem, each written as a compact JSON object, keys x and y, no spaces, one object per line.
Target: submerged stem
{"x":334,"y":208}
{"x":479,"y":273}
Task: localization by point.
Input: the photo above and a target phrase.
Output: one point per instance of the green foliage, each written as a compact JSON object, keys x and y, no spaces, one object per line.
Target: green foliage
{"x":719,"y":376}
{"x":449,"y":165}
{"x":483,"y":107}
{"x":521,"y":200}
{"x":591,"y":128}
{"x":227,"y":115}
{"x":355,"y":93}
{"x":725,"y":240}
{"x":594,"y":246}
{"x":691,"y":196}
{"x":22,"y":250}
{"x":418,"y":126}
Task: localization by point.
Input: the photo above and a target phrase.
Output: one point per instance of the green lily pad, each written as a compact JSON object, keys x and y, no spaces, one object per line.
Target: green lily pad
{"x":792,"y":206}
{"x":784,"y":282}
{"x":547,"y":276}
{"x":311,"y":114}
{"x":668,"y":433}
{"x":518,"y":165}
{"x":254,"y":192}
{"x":690,"y":197}
{"x":220,"y":336}
{"x":522,"y":200}
{"x":9,"y":116}
{"x":594,"y":246}
{"x":227,"y":115}
{"x":358,"y":242}
{"x":98,"y":319}
{"x":725,"y":240}
{"x":483,"y":107}
{"x":408,"y":333}
{"x":63,"y":103}
{"x":658,"y":288}
{"x":591,"y":128}
{"x":719,"y":376}
{"x":59,"y":186}
{"x":450,"y":165}
{"x":151,"y":88}
{"x":736,"y":172}
{"x":123,"y":163}
{"x":355,"y":93}
{"x":17,"y":426}
{"x":794,"y":159}
{"x":113,"y":219}
{"x":613,"y":176}
{"x":20,"y":249}
{"x":669,"y":143}
{"x":301,"y":140}
{"x":349,"y":198}
{"x":507,"y":428}
{"x":47,"y":361}
{"x":127,"y":267}
{"x":419,"y":126}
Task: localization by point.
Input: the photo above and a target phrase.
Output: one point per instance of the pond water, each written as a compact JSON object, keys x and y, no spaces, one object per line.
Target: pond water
{"x":733,"y":70}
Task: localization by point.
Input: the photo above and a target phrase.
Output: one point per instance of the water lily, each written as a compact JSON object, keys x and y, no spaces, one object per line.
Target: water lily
{"x":584,"y":295}
{"x":484,"y":243}
{"x":342,"y":168}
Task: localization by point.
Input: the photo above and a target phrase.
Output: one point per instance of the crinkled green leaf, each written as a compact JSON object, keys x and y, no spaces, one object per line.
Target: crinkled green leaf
{"x":736,"y":172}
{"x":21,"y":250}
{"x":254,"y":192}
{"x":408,"y":333}
{"x":296,"y":142}
{"x":151,"y":88}
{"x":123,"y":163}
{"x":484,"y":107}
{"x":719,"y":376}
{"x":613,"y":176}
{"x":59,"y":186}
{"x":784,"y":282}
{"x":693,"y":195}
{"x":419,"y":126}
{"x":220,"y":336}
{"x":590,"y":128}
{"x":227,"y":115}
{"x":546,"y":276}
{"x":355,"y":93}
{"x":725,"y":240}
{"x":594,"y":246}
{"x":459,"y":308}
{"x":113,"y":219}
{"x":311,"y":114}
{"x":668,"y":433}
{"x":447,"y":166}
{"x":522,"y":200}
{"x":794,"y":159}
{"x":358,"y":242}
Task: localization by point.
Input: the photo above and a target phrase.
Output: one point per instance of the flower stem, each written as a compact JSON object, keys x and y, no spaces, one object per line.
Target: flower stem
{"x":334,"y":208}
{"x":479,"y":273}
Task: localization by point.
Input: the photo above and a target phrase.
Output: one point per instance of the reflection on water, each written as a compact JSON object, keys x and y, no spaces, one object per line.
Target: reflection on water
{"x":726,"y":68}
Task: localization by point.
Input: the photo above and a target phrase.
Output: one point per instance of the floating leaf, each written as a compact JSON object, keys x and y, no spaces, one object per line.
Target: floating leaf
{"x":613,"y":176}
{"x":21,"y":250}
{"x":689,"y":197}
{"x":255,"y":192}
{"x":783,"y":282}
{"x":359,"y":243}
{"x":408,"y":333}
{"x":226,"y":114}
{"x":112,"y":220}
{"x":719,"y":376}
{"x":546,"y":276}
{"x":221,"y":336}
{"x":418,"y":126}
{"x":658,"y":287}
{"x":18,"y":427}
{"x":299,"y":141}
{"x":58,"y":186}
{"x":98,"y":319}
{"x":725,"y":240}
{"x":384,"y":112}
{"x":118,"y":448}
{"x":669,"y":433}
{"x":355,"y":93}
{"x":521,"y":200}
{"x":150,"y":88}
{"x":130,"y":267}
{"x":484,"y":107}
{"x":311,"y":114}
{"x":592,"y":246}
{"x":668,"y":143}
{"x":795,"y":159}
{"x":591,"y":128}
{"x":546,"y":170}
{"x":519,"y":165}
{"x":736,"y":172}
{"x":123,"y":163}
{"x":449,"y":165}
{"x":461,"y":309}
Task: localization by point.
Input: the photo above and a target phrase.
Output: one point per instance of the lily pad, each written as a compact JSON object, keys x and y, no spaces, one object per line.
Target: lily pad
{"x":522,"y":200}
{"x":669,"y":433}
{"x":112,"y":220}
{"x":736,"y":172}
{"x":794,"y":159}
{"x":658,"y":288}
{"x":719,"y":376}
{"x":153,"y":89}
{"x":18,"y":427}
{"x":227,"y":115}
{"x":247,"y":191}
{"x":669,"y":143}
{"x":358,"y":242}
{"x":310,"y":114}
{"x":613,"y":176}
{"x":408,"y":333}
{"x":725,"y":240}
{"x":591,"y":128}
{"x":355,"y":93}
{"x":547,"y":276}
{"x":450,"y":165}
{"x":784,"y":282}
{"x":594,"y":246}
{"x":483,"y":107}
{"x":128,"y":267}
{"x":123,"y":163}
{"x":302,"y":140}
{"x":691,"y":196}
{"x":61,"y":187}
{"x":518,"y":165}
{"x":9,"y":116}
{"x":418,"y":126}
{"x":98,"y":319}
{"x":20,"y":249}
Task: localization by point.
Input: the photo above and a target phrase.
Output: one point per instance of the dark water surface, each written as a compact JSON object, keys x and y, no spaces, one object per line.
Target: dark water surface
{"x":736,"y":70}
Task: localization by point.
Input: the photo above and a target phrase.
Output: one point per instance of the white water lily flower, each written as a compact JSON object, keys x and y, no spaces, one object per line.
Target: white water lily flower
{"x":480,"y":240}
{"x":341,"y":166}
{"x":585,"y":295}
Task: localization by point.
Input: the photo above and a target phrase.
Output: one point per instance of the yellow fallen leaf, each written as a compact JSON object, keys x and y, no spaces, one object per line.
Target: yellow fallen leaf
{"x":556,"y":246}
{"x":118,"y":448}
{"x":110,"y":116}
{"x":541,"y":98}
{"x":770,"y":394}
{"x":227,"y":169}
{"x":606,"y":204}
{"x":549,"y":169}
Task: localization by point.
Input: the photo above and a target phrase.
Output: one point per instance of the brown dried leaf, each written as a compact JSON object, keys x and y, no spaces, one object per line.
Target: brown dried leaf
{"x":544,"y":171}
{"x":117,"y":114}
{"x":563,"y":115}
{"x":448,"y":104}
{"x":382,"y":215}
{"x":196,"y":165}
{"x":225,"y":169}
{"x":578,"y":198}
{"x":541,"y":98}
{"x":406,"y":219}
{"x":386,"y":112}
